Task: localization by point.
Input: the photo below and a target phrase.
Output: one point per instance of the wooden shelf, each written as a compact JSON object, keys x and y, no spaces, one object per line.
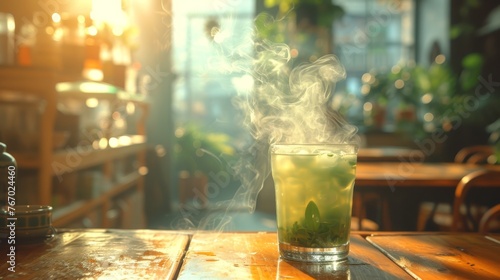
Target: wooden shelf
{"x":41,"y":82}
{"x":45,"y":85}
{"x":82,"y":157}
{"x":67,"y":214}
{"x":26,"y":160}
{"x":103,"y":91}
{"x":49,"y":83}
{"x":79,"y":158}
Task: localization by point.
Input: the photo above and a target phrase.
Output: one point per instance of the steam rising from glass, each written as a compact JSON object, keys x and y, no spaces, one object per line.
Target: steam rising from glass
{"x":284,"y":105}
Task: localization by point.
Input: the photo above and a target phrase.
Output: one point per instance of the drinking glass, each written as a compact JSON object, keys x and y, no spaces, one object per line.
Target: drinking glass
{"x":314,"y":186}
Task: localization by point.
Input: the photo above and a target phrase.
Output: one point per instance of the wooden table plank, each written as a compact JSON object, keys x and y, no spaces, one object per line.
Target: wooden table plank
{"x":366,"y":262}
{"x":390,"y":154}
{"x":445,"y":256}
{"x":231,"y":256}
{"x":255,"y":256}
{"x":495,"y":237}
{"x":372,"y":175}
{"x":112,"y":254}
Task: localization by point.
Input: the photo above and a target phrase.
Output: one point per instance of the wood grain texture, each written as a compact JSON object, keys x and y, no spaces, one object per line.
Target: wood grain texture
{"x":367,"y":262}
{"x":231,"y":256}
{"x":150,"y":254}
{"x":495,"y":237}
{"x":413,"y":174}
{"x":99,"y":254}
{"x":451,"y":256}
{"x":255,"y":256}
{"x":389,"y":154}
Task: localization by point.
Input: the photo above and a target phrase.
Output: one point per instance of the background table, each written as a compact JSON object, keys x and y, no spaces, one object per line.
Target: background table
{"x":394,"y":175}
{"x":398,"y":188}
{"x":389,"y":154}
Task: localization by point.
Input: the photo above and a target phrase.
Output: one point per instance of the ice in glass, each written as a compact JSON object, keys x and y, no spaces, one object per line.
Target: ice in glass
{"x":314,"y":187}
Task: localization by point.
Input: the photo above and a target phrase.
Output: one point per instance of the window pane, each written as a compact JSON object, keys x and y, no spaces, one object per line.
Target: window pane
{"x":372,"y":35}
{"x":207,"y":65}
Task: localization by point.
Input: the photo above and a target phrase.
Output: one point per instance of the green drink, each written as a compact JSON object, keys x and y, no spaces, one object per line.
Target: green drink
{"x":314,"y":186}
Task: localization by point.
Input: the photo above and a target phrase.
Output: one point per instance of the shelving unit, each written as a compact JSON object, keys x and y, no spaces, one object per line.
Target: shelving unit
{"x":68,"y":214}
{"x":49,"y":163}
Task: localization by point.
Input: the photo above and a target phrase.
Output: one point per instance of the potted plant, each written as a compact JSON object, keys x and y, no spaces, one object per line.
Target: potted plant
{"x":395,"y":100}
{"x":315,"y":12}
{"x":304,"y":25}
{"x":198,"y":154}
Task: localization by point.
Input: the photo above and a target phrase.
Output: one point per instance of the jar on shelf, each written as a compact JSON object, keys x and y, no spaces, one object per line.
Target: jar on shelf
{"x":46,"y":49}
{"x":73,"y":43}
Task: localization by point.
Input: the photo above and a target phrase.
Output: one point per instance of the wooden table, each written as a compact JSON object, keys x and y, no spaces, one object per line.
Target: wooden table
{"x":151,"y":254}
{"x":406,"y":184}
{"x":90,"y":254}
{"x":417,"y":174}
{"x":389,"y":154}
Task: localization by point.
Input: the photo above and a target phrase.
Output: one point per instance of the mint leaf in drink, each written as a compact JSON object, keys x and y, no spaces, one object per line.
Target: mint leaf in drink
{"x":312,"y":232}
{"x":312,"y":218}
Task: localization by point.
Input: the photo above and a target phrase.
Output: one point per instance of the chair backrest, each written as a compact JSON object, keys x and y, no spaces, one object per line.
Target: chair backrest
{"x":474,"y":154}
{"x":481,"y":178}
{"x":489,"y":216}
{"x":481,"y":158}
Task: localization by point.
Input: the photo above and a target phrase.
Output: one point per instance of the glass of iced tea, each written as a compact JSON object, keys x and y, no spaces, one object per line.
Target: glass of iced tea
{"x":314,"y":185}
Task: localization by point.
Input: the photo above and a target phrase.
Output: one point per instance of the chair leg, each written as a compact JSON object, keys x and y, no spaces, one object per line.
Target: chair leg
{"x":425,"y":215}
{"x":386,"y":214}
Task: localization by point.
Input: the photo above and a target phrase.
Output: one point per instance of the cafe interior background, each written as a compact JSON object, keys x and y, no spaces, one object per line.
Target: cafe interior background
{"x":122,"y":113}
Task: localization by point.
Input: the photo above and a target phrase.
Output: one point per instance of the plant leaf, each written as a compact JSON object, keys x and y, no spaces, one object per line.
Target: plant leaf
{"x":312,"y":217}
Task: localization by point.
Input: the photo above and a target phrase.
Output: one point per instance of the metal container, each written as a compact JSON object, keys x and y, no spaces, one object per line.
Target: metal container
{"x":8,"y":173}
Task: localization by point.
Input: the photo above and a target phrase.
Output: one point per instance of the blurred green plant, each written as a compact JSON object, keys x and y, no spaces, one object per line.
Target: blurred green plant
{"x":276,"y":27}
{"x":465,"y":26}
{"x":197,"y":151}
{"x":325,"y":10}
{"x":434,"y":93}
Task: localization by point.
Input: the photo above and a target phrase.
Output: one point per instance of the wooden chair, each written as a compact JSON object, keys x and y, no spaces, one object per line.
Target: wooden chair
{"x":466,"y":212}
{"x":359,"y":220}
{"x":486,"y":224}
{"x":478,"y":154}
{"x":363,"y":224}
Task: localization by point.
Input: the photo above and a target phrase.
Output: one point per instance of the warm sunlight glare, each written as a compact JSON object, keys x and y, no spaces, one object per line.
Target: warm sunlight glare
{"x":109,"y":12}
{"x":92,"y":102}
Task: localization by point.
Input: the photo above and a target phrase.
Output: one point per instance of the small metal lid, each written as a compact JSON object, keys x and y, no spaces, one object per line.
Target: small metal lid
{"x":5,"y":158}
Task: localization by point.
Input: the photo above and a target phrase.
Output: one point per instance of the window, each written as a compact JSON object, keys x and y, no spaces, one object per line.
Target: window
{"x":210,"y":39}
{"x":371,"y":35}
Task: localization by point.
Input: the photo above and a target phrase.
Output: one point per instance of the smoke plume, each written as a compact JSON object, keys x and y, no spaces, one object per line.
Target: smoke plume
{"x":286,"y":104}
